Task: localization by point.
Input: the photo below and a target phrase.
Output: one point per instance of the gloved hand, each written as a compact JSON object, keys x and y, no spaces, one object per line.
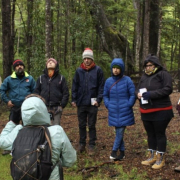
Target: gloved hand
{"x":146,"y":95}
{"x":178,"y":108}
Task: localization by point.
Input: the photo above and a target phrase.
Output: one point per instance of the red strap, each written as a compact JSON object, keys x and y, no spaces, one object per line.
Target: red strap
{"x":115,"y":83}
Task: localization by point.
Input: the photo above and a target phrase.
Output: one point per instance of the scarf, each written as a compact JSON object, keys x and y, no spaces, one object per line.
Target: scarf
{"x":151,"y":72}
{"x":83,"y":66}
{"x":50,"y":72}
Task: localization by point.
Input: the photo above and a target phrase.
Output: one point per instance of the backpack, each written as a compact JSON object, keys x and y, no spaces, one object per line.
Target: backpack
{"x":31,"y":154}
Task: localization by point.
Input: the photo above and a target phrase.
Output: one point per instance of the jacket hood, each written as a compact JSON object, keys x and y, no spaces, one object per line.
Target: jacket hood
{"x":154,"y":59}
{"x":120,"y":63}
{"x":34,"y":112}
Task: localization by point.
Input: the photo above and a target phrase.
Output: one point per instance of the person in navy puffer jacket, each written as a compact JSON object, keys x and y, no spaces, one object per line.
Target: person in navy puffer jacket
{"x":119,"y":98}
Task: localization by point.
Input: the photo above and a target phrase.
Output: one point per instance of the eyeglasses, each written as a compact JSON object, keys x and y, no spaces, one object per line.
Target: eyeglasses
{"x":149,"y":65}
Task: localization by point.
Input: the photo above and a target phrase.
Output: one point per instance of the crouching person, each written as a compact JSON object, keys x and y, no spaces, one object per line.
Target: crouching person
{"x":50,"y":139}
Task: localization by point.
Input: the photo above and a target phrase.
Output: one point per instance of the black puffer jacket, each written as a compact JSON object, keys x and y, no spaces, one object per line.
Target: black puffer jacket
{"x":159,"y":85}
{"x":54,"y":90}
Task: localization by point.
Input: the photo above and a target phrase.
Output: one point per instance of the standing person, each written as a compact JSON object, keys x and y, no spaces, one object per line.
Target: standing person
{"x":119,"y":98}
{"x":34,"y":113}
{"x":53,"y":88}
{"x":15,"y":88}
{"x":157,"y":112}
{"x":87,"y":86}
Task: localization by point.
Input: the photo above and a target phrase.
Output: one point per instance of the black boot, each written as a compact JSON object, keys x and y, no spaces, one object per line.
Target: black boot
{"x":121,"y":156}
{"x":113,"y":155}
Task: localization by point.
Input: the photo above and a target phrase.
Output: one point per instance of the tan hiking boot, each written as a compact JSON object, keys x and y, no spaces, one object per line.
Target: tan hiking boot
{"x":177,"y":169}
{"x":160,"y":162}
{"x":151,"y":158}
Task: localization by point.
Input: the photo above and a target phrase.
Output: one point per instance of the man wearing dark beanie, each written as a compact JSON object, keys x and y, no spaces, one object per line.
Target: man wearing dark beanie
{"x":53,"y":88}
{"x":15,"y":88}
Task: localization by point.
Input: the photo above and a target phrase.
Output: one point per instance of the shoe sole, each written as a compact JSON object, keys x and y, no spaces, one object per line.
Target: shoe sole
{"x":112,"y":158}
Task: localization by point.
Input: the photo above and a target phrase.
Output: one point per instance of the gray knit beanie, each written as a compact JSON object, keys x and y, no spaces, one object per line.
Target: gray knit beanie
{"x":88,"y":53}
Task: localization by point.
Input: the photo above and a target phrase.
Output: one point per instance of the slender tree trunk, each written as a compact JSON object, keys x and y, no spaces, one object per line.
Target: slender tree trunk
{"x":6,"y":38}
{"x":137,"y":6}
{"x":48,"y":43}
{"x":159,"y":31}
{"x":145,"y":44}
{"x":29,"y":32}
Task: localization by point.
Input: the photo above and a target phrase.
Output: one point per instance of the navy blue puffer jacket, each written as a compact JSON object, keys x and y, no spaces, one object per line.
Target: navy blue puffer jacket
{"x":120,"y":99}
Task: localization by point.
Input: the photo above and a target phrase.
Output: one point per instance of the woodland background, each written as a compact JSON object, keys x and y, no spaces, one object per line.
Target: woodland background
{"x":34,"y":30}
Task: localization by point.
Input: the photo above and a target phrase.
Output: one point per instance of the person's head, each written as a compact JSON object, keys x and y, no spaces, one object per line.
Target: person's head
{"x":18,"y":67}
{"x":116,"y":70}
{"x":151,"y":64}
{"x":117,"y":67}
{"x":87,"y":56}
{"x":34,"y":111}
{"x":51,"y":63}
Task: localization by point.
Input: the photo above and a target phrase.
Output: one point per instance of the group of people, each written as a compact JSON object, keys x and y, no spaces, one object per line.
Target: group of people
{"x":89,"y":88}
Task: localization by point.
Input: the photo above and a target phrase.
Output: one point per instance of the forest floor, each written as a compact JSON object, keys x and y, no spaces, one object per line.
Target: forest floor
{"x":135,"y":142}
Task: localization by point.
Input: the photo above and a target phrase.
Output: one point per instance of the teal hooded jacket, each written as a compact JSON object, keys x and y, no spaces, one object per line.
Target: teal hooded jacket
{"x":34,"y":112}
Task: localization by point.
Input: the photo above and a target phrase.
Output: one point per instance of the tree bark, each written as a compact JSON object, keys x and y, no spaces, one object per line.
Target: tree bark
{"x":7,"y":38}
{"x":114,"y":43}
{"x":29,"y":35}
{"x":48,"y":43}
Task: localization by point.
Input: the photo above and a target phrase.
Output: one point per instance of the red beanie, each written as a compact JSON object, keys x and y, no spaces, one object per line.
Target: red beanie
{"x":18,"y":62}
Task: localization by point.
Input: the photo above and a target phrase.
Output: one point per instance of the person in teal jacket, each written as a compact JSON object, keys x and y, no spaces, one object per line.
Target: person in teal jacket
{"x":15,"y":88}
{"x":34,"y":112}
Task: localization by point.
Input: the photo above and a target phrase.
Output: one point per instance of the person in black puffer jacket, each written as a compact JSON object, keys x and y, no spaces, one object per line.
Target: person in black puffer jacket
{"x":53,"y":88}
{"x":157,"y":112}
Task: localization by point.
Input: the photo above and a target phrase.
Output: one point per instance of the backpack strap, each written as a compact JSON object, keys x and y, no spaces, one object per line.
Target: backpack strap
{"x":40,"y":80}
{"x":115,"y":83}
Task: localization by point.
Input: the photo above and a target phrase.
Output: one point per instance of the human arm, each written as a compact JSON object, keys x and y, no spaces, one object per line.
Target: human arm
{"x":131,"y":89}
{"x":75,"y":86}
{"x":3,"y":90}
{"x":37,"y":89}
{"x":33,"y":85}
{"x":65,"y":93}
{"x":8,"y":135}
{"x":106,"y":94}
{"x":100,"y":85}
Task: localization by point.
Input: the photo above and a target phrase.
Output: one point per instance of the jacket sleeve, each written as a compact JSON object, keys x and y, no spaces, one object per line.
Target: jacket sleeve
{"x":106,"y":95}
{"x":33,"y":85}
{"x":75,"y":87}
{"x":8,"y":135}
{"x":65,"y":93}
{"x":100,"y":85}
{"x":38,"y":87}
{"x":167,"y":88}
{"x":131,"y":89}
{"x":3,"y":90}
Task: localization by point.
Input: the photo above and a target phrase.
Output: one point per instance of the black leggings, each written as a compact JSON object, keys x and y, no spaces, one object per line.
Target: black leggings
{"x":156,"y":132}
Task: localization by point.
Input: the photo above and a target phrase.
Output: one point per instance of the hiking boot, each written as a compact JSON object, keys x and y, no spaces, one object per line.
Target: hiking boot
{"x":160,"y":162}
{"x":91,"y":150}
{"x":82,"y":148}
{"x":121,"y":156}
{"x":177,"y":169}
{"x":113,"y":155}
{"x":151,"y":158}
{"x":5,"y":152}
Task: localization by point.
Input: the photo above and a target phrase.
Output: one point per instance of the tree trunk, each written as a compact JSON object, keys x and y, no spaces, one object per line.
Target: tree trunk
{"x":137,"y":6}
{"x":114,"y":43}
{"x":154,"y":26}
{"x":6,"y":38}
{"x":48,"y":43}
{"x":29,"y":32}
{"x":145,"y":44}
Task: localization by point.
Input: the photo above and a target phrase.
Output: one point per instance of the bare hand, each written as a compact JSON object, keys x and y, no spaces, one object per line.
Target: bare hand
{"x":73,"y":104}
{"x":139,"y":95}
{"x":10,"y":104}
{"x":96,"y":103}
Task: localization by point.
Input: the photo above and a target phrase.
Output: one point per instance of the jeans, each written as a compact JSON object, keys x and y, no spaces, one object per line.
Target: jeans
{"x":119,"y":142}
{"x":156,"y":132}
{"x":87,"y":115}
{"x":15,"y":114}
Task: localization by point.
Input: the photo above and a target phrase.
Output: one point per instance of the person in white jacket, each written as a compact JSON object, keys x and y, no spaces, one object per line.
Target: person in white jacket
{"x":34,"y":112}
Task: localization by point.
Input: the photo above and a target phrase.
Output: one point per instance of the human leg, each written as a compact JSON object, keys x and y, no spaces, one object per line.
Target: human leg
{"x":57,"y":116}
{"x":82,"y":118}
{"x":92,"y":118}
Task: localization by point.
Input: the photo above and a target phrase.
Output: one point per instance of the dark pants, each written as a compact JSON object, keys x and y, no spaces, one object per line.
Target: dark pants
{"x":156,"y":132}
{"x":87,"y":115}
{"x":15,"y":114}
